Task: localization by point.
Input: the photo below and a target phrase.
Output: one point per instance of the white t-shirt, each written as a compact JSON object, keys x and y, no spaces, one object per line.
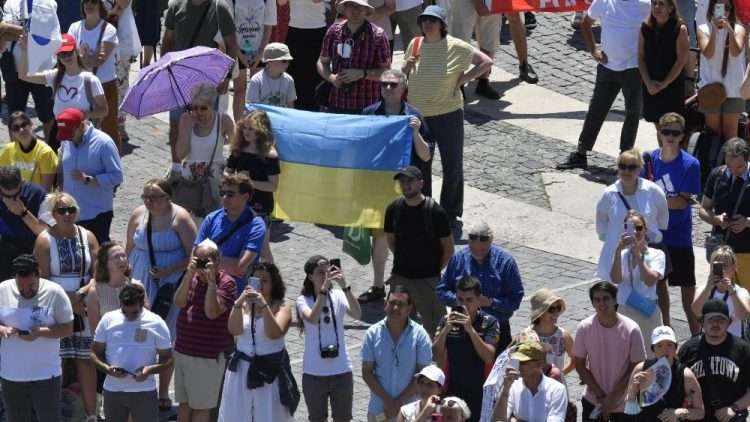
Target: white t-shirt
{"x":653,"y":259}
{"x":410,"y":411}
{"x":264,"y":89}
{"x":735,"y":328}
{"x":304,"y":14}
{"x":402,"y":5}
{"x":550,"y":403}
{"x":88,"y":38}
{"x":22,"y":360}
{"x":250,"y":17}
{"x":313,"y":364}
{"x":710,"y":68}
{"x":132,"y":345}
{"x":72,"y":90}
{"x":621,"y":24}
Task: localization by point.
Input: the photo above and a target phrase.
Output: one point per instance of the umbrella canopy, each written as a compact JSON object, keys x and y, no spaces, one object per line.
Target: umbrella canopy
{"x":168,"y":83}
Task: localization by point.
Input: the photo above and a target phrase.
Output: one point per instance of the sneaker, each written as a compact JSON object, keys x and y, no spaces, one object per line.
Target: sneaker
{"x":576,"y":21}
{"x":485,"y":90}
{"x":372,"y":294}
{"x":529,"y":21}
{"x":575,"y":160}
{"x":527,"y":74}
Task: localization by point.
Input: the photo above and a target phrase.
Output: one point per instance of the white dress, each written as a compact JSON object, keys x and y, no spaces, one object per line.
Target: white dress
{"x":240,"y":404}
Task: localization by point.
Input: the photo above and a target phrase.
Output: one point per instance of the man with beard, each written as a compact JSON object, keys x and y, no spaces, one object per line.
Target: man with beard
{"x":721,"y":362}
{"x":36,"y":314}
{"x":420,"y":239}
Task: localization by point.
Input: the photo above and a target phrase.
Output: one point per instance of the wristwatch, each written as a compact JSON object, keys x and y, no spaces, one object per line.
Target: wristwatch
{"x":347,"y":288}
{"x":87,"y":179}
{"x":24,"y":213}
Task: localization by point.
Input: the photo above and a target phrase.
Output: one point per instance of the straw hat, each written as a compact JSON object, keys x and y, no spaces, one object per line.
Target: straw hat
{"x":541,"y":300}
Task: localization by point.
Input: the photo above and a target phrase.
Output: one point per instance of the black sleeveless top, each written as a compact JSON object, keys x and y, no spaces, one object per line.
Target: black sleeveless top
{"x":673,"y":399}
{"x":660,"y":51}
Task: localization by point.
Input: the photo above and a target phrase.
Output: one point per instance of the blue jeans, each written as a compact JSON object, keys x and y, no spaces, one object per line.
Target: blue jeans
{"x":608,"y":84}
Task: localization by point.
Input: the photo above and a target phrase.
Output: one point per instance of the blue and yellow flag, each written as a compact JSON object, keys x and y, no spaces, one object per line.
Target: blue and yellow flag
{"x":337,"y":169}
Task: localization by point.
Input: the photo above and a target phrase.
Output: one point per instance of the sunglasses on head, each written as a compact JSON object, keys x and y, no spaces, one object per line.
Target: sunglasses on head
{"x":389,"y":85}
{"x":66,"y":210}
{"x":670,"y":132}
{"x":19,"y":126}
{"x":227,"y":193}
{"x":481,"y":238}
{"x":628,"y":167}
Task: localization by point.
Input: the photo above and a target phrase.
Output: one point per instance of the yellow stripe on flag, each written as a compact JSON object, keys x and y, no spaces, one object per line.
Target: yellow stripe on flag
{"x":334,"y":196}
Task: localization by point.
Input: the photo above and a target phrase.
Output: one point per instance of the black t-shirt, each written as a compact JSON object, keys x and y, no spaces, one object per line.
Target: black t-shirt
{"x":720,"y":188}
{"x":418,"y":252}
{"x":728,"y":374}
{"x":259,"y":168}
{"x":13,"y":227}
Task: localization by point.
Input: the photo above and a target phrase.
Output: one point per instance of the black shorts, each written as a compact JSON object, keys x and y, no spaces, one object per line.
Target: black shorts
{"x":683,"y":267}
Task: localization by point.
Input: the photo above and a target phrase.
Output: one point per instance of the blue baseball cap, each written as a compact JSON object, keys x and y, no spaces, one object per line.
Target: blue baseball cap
{"x":437,"y":12}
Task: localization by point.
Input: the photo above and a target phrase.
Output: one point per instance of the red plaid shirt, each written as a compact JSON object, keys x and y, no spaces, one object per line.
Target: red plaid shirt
{"x":368,"y":49}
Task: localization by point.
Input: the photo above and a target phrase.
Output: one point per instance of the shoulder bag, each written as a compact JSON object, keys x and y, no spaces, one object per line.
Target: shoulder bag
{"x":195,"y":194}
{"x":165,"y":293}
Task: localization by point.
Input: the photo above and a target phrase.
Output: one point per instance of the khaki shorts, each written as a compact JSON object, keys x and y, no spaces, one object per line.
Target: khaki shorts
{"x":197,"y":381}
{"x":730,"y":105}
{"x":463,"y":20}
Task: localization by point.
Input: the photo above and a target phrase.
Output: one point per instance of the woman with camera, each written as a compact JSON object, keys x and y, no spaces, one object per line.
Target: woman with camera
{"x":721,"y":285}
{"x":430,"y":381}
{"x":259,"y":321}
{"x":326,"y":370}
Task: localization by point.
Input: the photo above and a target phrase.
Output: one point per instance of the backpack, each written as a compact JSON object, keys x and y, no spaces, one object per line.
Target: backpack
{"x":429,"y":206}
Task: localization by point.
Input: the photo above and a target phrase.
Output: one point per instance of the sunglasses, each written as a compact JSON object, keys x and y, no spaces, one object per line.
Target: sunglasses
{"x":481,"y":238}
{"x":389,"y":85}
{"x":14,"y":196}
{"x":66,"y":210}
{"x":227,"y":193}
{"x":554,"y":309}
{"x":193,"y":107}
{"x":66,"y":54}
{"x":16,"y":128}
{"x":628,"y":167}
{"x":670,"y":132}
{"x":326,"y":319}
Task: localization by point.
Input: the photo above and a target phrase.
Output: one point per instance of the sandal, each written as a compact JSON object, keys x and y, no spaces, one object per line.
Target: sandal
{"x":165,"y":404}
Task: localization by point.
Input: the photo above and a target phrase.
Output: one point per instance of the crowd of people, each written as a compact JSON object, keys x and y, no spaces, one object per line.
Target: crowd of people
{"x":191,"y":296}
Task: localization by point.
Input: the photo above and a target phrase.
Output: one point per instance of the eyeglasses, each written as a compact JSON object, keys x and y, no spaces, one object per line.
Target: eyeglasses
{"x":554,"y":309}
{"x":389,"y":85}
{"x":670,"y":132}
{"x":227,"y":193}
{"x":628,"y":167}
{"x":481,"y":238}
{"x":66,"y":210}
{"x":152,"y":197}
{"x":326,"y":319}
{"x":16,"y":128}
{"x":193,"y":107}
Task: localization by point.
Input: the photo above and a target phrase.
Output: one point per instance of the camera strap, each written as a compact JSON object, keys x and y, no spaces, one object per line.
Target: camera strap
{"x":252,"y":326}
{"x":333,"y":319}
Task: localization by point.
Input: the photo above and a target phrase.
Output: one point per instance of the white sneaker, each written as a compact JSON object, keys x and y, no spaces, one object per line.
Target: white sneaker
{"x":576,"y":21}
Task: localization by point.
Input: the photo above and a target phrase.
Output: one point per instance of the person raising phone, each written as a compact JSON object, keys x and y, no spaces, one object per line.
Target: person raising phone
{"x":721,"y":285}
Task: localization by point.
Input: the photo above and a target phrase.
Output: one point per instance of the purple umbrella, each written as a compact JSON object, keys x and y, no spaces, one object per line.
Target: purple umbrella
{"x":168,"y":83}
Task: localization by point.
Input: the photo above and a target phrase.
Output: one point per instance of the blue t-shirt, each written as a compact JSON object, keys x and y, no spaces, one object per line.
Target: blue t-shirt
{"x":680,"y":175}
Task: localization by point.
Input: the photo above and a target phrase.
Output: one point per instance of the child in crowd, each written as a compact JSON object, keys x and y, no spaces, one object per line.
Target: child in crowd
{"x":272,"y":85}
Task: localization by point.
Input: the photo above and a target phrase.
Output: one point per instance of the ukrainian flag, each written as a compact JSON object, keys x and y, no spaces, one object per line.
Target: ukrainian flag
{"x":337,"y":169}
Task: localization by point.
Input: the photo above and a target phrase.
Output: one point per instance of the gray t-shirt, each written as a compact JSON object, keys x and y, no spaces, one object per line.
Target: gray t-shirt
{"x":264,"y":89}
{"x":49,"y":307}
{"x":183,"y":18}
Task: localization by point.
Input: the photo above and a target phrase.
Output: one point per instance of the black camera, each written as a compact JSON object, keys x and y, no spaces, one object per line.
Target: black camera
{"x":201,"y":263}
{"x":330,"y":351}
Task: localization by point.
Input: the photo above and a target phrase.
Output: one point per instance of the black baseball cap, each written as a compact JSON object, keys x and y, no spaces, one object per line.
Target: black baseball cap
{"x":715,"y":307}
{"x":411,"y":171}
{"x":24,"y":265}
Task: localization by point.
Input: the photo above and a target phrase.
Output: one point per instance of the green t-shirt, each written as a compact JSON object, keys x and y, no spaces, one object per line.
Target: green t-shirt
{"x":183,"y":17}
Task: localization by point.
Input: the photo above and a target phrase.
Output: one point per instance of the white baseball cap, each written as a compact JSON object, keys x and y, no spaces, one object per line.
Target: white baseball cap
{"x":662,"y":333}
{"x":433,"y":373}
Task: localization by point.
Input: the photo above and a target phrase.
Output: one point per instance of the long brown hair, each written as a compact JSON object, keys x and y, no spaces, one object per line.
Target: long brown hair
{"x":674,"y":14}
{"x":258,"y":122}
{"x":61,"y":70}
{"x":101,"y":272}
{"x":732,"y":18}
{"x":102,"y":9}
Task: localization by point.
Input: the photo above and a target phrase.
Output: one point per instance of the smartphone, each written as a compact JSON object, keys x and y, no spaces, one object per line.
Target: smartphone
{"x":719,"y":10}
{"x":122,"y":370}
{"x":254,"y":282}
{"x":23,"y":332}
{"x":461,"y":309}
{"x":630,"y":228}
{"x":335,"y":262}
{"x":717,"y":268}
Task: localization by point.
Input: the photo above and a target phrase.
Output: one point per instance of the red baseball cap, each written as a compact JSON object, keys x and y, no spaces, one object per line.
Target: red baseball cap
{"x":67,"y":122}
{"x":68,"y":44}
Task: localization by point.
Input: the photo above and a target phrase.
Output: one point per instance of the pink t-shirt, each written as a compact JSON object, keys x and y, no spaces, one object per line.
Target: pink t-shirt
{"x":608,"y":352}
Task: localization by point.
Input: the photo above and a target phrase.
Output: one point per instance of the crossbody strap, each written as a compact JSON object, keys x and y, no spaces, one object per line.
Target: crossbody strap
{"x":151,"y":254}
{"x":624,"y":201}
{"x":98,"y":42}
{"x":725,"y":58}
{"x":223,"y":238}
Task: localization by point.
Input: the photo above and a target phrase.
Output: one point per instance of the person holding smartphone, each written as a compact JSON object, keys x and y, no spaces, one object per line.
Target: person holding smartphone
{"x":326,"y":367}
{"x":721,"y":285}
{"x":465,"y":342}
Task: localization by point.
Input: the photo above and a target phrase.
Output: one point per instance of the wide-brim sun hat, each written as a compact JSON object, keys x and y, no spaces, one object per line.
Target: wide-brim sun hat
{"x":541,"y":301}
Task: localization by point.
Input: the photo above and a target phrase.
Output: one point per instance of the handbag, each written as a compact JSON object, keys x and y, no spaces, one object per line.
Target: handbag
{"x":164,"y":293}
{"x":638,"y":301}
{"x":195,"y":194}
{"x":713,"y":95}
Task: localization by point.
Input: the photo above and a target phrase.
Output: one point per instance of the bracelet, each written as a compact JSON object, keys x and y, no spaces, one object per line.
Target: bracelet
{"x":24,"y":213}
{"x":347,"y":288}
